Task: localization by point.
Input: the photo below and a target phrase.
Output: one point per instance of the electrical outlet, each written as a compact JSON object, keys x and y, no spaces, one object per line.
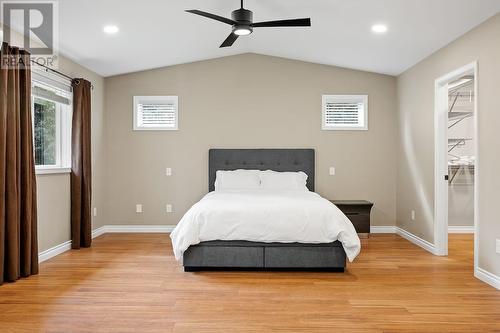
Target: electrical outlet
{"x":138,"y":208}
{"x":168,"y":172}
{"x":332,"y":171}
{"x":95,"y":211}
{"x":413,"y":215}
{"x":498,"y":246}
{"x":168,"y":208}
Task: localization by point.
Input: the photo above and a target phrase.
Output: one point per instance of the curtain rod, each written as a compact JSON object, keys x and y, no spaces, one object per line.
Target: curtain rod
{"x":57,"y":72}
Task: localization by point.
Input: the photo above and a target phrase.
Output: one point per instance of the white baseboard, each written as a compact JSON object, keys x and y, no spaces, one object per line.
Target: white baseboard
{"x":487,"y":277}
{"x":54,"y":251}
{"x":376,"y":229}
{"x":98,"y":232}
{"x":138,"y":228}
{"x":58,"y":249}
{"x":406,"y":235}
{"x":459,"y":229}
{"x":428,"y":246}
{"x":452,"y":229}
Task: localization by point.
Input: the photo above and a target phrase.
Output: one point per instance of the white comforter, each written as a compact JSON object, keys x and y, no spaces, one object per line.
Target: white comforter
{"x":265,"y":216}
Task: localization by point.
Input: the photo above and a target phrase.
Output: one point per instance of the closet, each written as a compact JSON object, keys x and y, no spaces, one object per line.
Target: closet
{"x":461,"y":152}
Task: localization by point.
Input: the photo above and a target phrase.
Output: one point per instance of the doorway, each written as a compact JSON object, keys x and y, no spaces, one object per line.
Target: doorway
{"x":456,"y":156}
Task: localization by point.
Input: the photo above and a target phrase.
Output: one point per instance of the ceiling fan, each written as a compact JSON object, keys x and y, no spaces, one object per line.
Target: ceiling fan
{"x":242,"y":22}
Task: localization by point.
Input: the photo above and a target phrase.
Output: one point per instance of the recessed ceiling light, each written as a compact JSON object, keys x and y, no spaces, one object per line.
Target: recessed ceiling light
{"x":111,"y":29}
{"x":379,"y":28}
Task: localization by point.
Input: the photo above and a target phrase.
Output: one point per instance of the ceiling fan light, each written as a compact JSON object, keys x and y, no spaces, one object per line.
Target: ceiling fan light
{"x":242,"y":31}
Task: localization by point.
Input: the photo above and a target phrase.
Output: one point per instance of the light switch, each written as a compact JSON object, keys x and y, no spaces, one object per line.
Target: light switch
{"x":413,"y":215}
{"x":498,"y":246}
{"x":138,"y":208}
{"x":168,"y":208}
{"x":95,"y":211}
{"x":332,"y":171}
{"x":168,"y":172}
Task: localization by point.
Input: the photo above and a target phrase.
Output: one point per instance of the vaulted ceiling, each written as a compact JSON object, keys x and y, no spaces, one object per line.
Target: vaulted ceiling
{"x":157,"y":33}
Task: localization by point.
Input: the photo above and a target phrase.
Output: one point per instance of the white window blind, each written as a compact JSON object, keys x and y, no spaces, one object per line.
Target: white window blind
{"x":345,"y":112}
{"x":155,"y":113}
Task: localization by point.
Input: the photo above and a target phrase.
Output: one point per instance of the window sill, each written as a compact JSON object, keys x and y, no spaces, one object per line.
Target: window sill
{"x":52,"y":171}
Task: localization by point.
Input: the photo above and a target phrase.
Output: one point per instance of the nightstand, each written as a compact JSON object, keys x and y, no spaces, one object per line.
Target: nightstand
{"x":358,"y":211}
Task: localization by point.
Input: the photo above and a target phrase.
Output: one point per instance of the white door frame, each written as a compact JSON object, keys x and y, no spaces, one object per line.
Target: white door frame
{"x":441,"y":158}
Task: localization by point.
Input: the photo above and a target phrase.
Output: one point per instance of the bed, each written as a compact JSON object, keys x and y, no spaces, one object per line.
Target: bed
{"x":264,"y":230}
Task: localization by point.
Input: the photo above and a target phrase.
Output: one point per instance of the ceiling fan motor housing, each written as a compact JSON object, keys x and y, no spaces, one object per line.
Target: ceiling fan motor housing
{"x":244,"y":19}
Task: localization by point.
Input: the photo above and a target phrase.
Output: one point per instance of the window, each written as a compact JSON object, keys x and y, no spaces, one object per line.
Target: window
{"x":155,"y":113}
{"x":345,"y":112}
{"x":52,"y":110}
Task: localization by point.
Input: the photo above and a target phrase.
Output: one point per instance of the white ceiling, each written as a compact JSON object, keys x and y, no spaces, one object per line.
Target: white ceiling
{"x":157,"y":33}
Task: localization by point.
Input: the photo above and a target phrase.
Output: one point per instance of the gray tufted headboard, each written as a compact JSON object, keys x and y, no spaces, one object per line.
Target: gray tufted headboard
{"x":261,"y":159}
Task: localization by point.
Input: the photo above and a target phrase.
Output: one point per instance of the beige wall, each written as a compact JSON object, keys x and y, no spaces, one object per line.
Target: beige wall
{"x":53,"y":201}
{"x":245,"y":101}
{"x":416,"y":136}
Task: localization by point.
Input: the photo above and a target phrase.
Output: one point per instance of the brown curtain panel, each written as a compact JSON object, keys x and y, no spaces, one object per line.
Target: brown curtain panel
{"x":81,"y":170}
{"x":18,"y":216}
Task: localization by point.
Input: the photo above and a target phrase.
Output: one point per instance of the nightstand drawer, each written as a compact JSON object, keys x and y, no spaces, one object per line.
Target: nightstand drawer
{"x":358,"y":212}
{"x":355,"y":210}
{"x":361,"y":222}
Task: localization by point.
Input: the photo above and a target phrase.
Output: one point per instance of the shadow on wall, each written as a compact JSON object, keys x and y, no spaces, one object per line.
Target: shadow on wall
{"x":415,"y":175}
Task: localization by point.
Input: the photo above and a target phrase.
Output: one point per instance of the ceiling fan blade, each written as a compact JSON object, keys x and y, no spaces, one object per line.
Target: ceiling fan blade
{"x":211,"y":16}
{"x":303,"y":22}
{"x":229,"y":40}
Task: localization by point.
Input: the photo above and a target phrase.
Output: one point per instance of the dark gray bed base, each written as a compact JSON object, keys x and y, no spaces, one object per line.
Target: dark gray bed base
{"x":243,"y":255}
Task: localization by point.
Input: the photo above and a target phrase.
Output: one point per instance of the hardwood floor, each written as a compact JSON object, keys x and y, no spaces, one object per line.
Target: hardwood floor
{"x":131,"y":283}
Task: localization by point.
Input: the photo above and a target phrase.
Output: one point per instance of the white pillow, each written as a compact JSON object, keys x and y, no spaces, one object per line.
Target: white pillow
{"x":237,"y":180}
{"x":273,"y":180}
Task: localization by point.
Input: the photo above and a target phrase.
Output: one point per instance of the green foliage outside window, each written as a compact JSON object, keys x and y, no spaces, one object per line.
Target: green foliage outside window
{"x":45,"y":132}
